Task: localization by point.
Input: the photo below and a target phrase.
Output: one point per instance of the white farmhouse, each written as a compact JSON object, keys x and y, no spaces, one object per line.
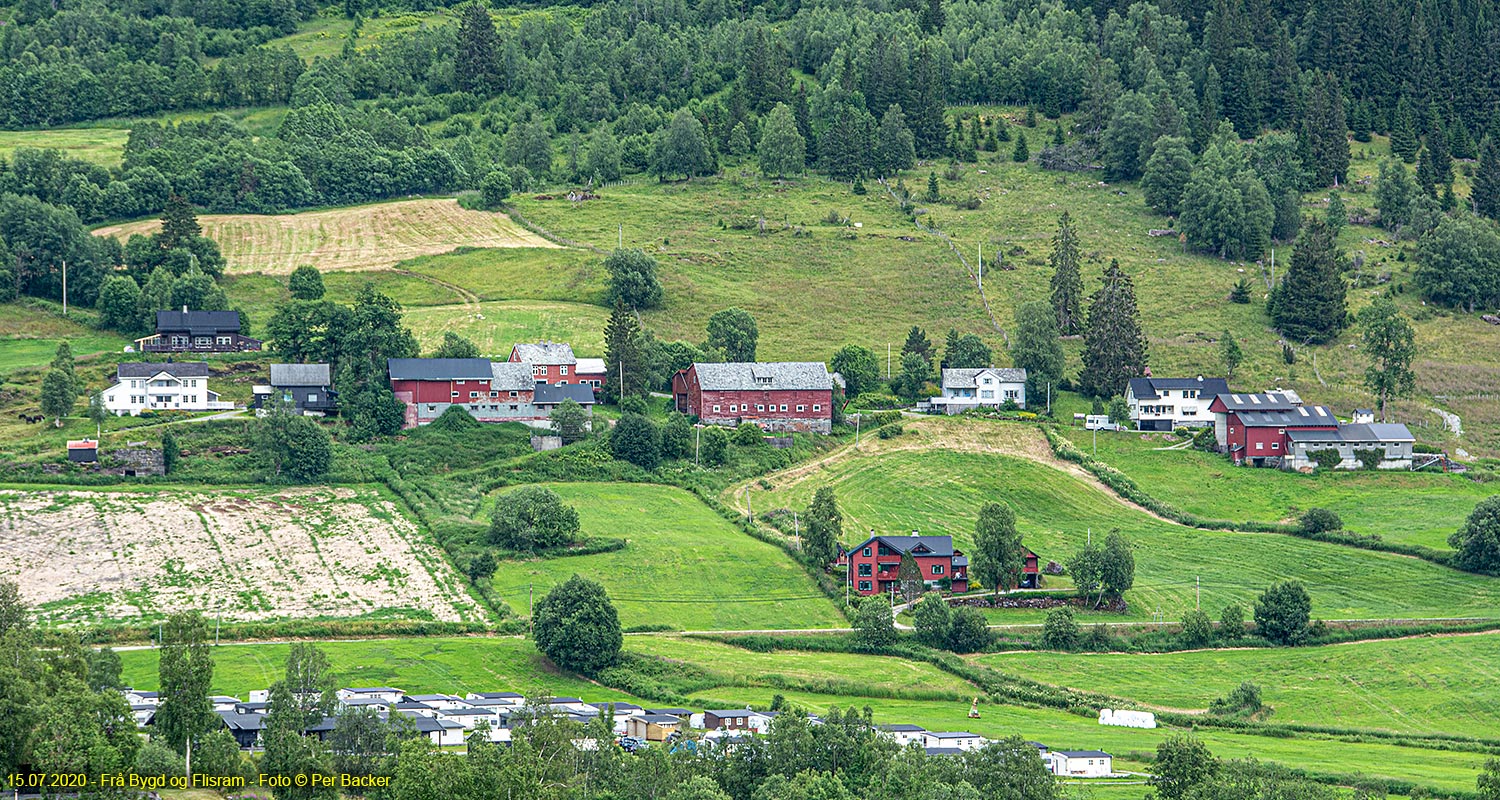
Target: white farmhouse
{"x":162,"y":387}
{"x":990,"y":387}
{"x":959,"y":740}
{"x":1164,"y":404}
{"x":1080,"y":763}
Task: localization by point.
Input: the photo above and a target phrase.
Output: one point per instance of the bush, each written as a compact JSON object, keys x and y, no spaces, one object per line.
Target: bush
{"x":1320,"y":520}
{"x":874,"y":627}
{"x":1245,"y":699}
{"x":532,"y":518}
{"x":1197,"y":629}
{"x":494,"y":189}
{"x":1060,"y":630}
{"x":1232,"y":622}
{"x":1370,"y":458}
{"x":890,"y":431}
{"x":931,"y":620}
{"x":1282,"y":613}
{"x":636,"y":439}
{"x":454,"y":419}
{"x":577,"y":627}
{"x":1326,"y":458}
{"x":714,"y":447}
{"x":748,"y":434}
{"x":969,"y":632}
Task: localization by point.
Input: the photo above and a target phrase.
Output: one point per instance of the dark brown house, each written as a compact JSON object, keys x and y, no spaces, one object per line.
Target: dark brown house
{"x":197,"y":332}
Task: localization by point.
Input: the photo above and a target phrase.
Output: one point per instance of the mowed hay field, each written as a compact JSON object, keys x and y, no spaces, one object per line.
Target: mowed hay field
{"x":446,"y":665}
{"x":238,"y":554}
{"x":683,"y":566}
{"x":935,"y":477}
{"x":1442,"y":684}
{"x":359,"y":237}
{"x":494,"y":327}
{"x":29,"y":336}
{"x":102,"y":146}
{"x":1410,"y":507}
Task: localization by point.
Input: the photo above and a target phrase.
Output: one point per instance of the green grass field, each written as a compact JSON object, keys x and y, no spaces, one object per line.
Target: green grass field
{"x":684,"y":565}
{"x":1409,"y":507}
{"x":420,"y":666}
{"x":1426,"y":685}
{"x":939,"y":491}
{"x":29,"y":336}
{"x":103,"y":146}
{"x":1133,"y":748}
{"x":494,"y":326}
{"x":518,"y":273}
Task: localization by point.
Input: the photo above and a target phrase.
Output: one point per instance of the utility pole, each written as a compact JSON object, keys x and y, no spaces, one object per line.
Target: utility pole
{"x":796,"y":530}
{"x":1049,"y":398}
{"x":749,"y":511}
{"x":1198,"y":593}
{"x":697,"y":444}
{"x":857,"y":419}
{"x":887,"y":360}
{"x":621,"y":245}
{"x":622,"y":381}
{"x":65,"y":287}
{"x":530,"y":607}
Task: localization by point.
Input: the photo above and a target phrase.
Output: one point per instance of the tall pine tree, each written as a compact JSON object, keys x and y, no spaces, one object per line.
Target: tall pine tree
{"x":474,"y":64}
{"x":1324,"y":132}
{"x":1067,"y":277}
{"x":1310,"y":304}
{"x":1114,"y":346}
{"x":1485,"y":191}
{"x":624,"y":357}
{"x":1404,"y":141}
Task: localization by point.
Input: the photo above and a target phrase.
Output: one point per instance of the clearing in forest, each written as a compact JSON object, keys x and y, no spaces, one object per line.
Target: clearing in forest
{"x":248,"y":555}
{"x":359,"y":237}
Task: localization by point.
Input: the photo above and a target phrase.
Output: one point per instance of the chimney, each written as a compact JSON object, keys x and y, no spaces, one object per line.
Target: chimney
{"x":184,"y":308}
{"x":914,"y":532}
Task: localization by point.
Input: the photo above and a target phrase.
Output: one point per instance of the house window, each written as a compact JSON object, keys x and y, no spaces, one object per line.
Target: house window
{"x":512,"y":394}
{"x":759,"y":407}
{"x":801,"y":407}
{"x":864,"y":570}
{"x":562,"y":370}
{"x":494,"y":394}
{"x":864,"y":586}
{"x":1231,"y":429}
{"x":1275,"y":445}
{"x":312,"y":398}
{"x":224,"y":340}
{"x":1011,"y":394}
{"x":716,"y":409}
{"x":817,"y":407}
{"x":202,"y":341}
{"x":937,"y":569}
{"x":473,"y":395}
{"x":783,"y":406}
{"x":867,"y":552}
{"x":1260,"y":445}
{"x":455,"y":394}
{"x":986,"y":395}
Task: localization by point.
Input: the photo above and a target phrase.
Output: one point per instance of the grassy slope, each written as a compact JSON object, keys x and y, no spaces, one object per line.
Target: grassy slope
{"x":1133,"y":748}
{"x":1427,"y":685}
{"x":29,"y":336}
{"x":495,"y":326}
{"x":449,"y":665}
{"x":939,"y":490}
{"x":1417,"y":508}
{"x":103,"y":146}
{"x":684,"y":565}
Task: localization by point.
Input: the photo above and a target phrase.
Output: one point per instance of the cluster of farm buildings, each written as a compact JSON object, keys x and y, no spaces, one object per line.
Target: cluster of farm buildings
{"x":1274,"y":429}
{"x":449,"y":720}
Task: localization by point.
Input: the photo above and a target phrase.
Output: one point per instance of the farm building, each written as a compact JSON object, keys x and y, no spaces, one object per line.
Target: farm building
{"x":991,"y":387}
{"x":304,"y":388}
{"x":83,"y":451}
{"x":653,"y":727}
{"x":498,"y":391}
{"x":734,"y":719}
{"x":162,"y":387}
{"x":902,"y":733}
{"x":961,"y":740}
{"x":1164,"y":404}
{"x":874,"y":564}
{"x":1252,"y":428}
{"x":197,"y":332}
{"x":1079,"y":763}
{"x":777,"y":396}
{"x":1393,"y":444}
{"x":554,"y":363}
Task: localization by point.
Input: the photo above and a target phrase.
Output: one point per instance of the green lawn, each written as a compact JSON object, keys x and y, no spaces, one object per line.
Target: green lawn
{"x":939,"y":490}
{"x":1410,"y":507}
{"x":1431,"y":685}
{"x":684,"y":565}
{"x":29,"y":336}
{"x":739,"y":667}
{"x":1132,"y":748}
{"x":494,"y":326}
{"x":419,"y":666}
{"x":103,"y":146}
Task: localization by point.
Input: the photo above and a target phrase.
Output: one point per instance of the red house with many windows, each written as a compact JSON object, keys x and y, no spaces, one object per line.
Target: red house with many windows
{"x":777,"y":396}
{"x":1252,"y":428}
{"x":490,"y":391}
{"x":551,"y":362}
{"x":875,"y":562}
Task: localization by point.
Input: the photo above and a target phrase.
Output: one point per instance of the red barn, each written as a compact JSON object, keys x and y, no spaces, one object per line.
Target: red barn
{"x":875,"y":562}
{"x":777,"y":396}
{"x":1252,"y":428}
{"x":491,"y":391}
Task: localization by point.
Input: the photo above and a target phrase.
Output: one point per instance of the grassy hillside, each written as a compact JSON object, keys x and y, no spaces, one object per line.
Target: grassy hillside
{"x":684,"y":566}
{"x":359,"y":237}
{"x":494,"y":327}
{"x":1425,"y":685}
{"x":1409,"y":507}
{"x":29,"y":336}
{"x":936,"y":476}
{"x":103,"y":146}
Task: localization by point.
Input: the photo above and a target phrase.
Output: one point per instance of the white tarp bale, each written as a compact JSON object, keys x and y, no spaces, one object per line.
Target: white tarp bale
{"x":1127,"y":719}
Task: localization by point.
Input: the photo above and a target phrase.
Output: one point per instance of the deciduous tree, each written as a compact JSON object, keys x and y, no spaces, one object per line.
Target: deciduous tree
{"x":874,"y":626}
{"x":632,"y":279}
{"x":1282,"y":613}
{"x":782,"y":150}
{"x":823,"y":528}
{"x":576,"y":626}
{"x":1390,"y":344}
{"x":305,"y":283}
{"x":733,"y":333}
{"x":1037,"y":349}
{"x":931,"y":619}
{"x":998,"y":553}
{"x":1477,"y":542}
{"x":859,"y":368}
{"x":185,"y":671}
{"x":635,"y":438}
{"x":532,"y":518}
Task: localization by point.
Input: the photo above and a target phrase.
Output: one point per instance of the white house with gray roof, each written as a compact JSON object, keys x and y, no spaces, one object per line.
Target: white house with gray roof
{"x":162,"y":387}
{"x":988,"y":387}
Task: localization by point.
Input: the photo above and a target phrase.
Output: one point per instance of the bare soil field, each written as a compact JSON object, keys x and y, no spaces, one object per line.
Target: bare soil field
{"x":362,"y":237}
{"x":248,"y":555}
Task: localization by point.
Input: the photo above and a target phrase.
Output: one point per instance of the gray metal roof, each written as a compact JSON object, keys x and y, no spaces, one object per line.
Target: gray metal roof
{"x":283,"y":375}
{"x":1305,"y":435}
{"x":1147,"y":388}
{"x":439,"y":369}
{"x":733,"y":712}
{"x":902,"y":727}
{"x":511,"y":376}
{"x":659,"y":719}
{"x":952,"y":735}
{"x":938,"y":545}
{"x":966,"y":378}
{"x":1358,"y":433}
{"x":1299,"y":417}
{"x":198,"y":322}
{"x":182,"y":369}
{"x":1083,"y":753}
{"x":1264,"y":401}
{"x":764,"y":376}
{"x":552,"y":393}
{"x":544,"y":353}
{"x":944,"y":751}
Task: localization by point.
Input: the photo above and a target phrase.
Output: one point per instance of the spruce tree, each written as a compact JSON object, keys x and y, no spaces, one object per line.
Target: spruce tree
{"x":474,"y":64}
{"x":934,"y":194}
{"x":895,"y":147}
{"x":782,"y":150}
{"x":1310,"y":304}
{"x":1167,"y":173}
{"x":624,"y":356}
{"x":919,"y":345}
{"x":1427,"y":173}
{"x":1484,"y":192}
{"x":1337,"y":215}
{"x":1229,"y":350}
{"x":1324,"y":131}
{"x":1022,"y":153}
{"x":1114,"y":346}
{"x":1442,"y":157}
{"x":1404,"y":141}
{"x":1067,"y":277}
{"x":1058,"y":140}
{"x":179,"y":224}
